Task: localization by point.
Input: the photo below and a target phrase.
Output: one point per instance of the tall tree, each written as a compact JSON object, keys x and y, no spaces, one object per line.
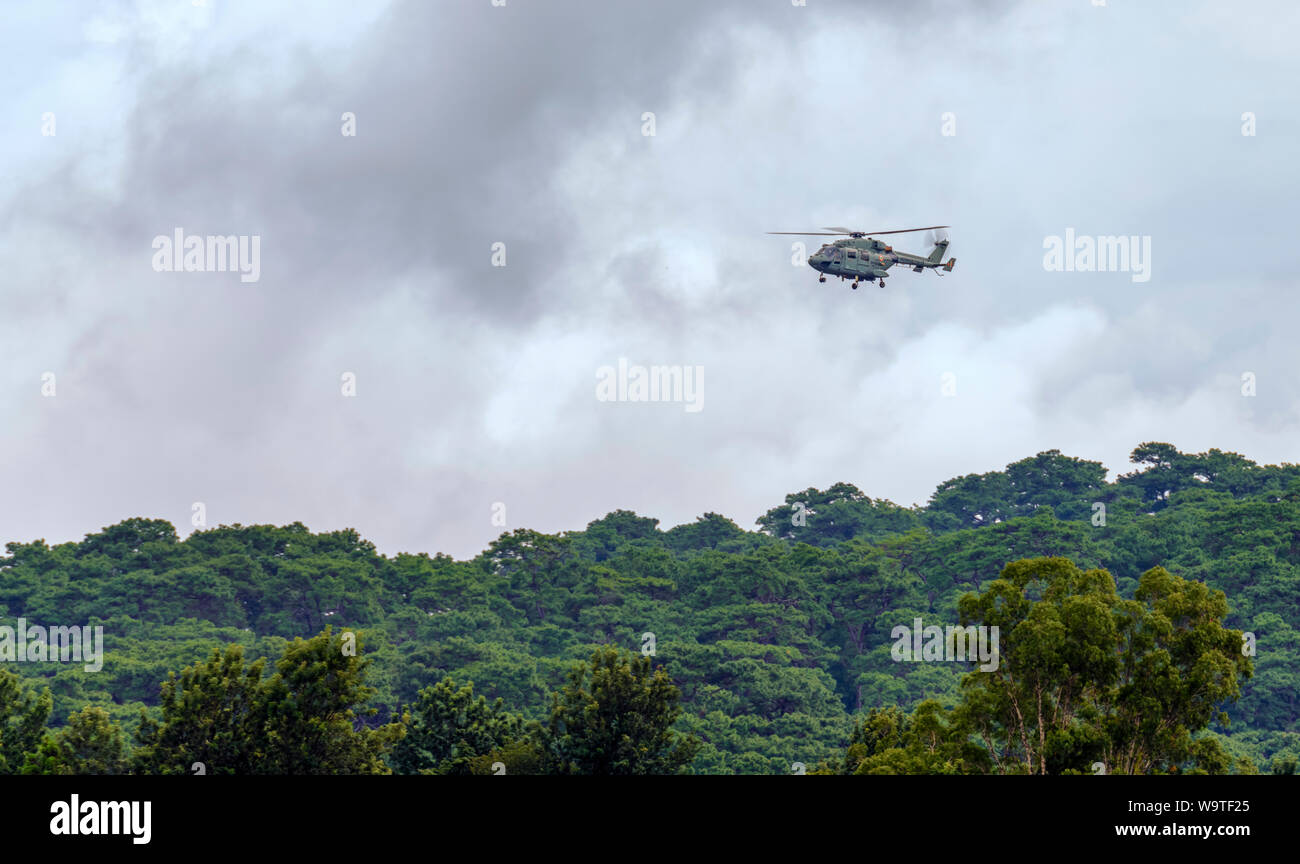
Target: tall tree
{"x":313,"y":708}
{"x":22,"y":721}
{"x":305,"y":719}
{"x":1085,"y":676}
{"x":91,"y":743}
{"x":616,"y":716}
{"x":449,"y":726}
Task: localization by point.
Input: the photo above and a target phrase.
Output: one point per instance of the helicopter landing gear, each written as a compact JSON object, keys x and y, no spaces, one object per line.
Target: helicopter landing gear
{"x":821,"y":278}
{"x":854,"y":286}
{"x":882,"y":283}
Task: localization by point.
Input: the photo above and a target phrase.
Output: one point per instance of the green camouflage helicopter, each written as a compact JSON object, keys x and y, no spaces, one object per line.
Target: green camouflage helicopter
{"x":862,"y":258}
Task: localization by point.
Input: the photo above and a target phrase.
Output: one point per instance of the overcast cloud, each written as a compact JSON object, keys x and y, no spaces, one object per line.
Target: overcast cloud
{"x":523,"y":125}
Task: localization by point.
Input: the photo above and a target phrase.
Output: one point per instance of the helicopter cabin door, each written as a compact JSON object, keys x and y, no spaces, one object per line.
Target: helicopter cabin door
{"x":854,"y":265}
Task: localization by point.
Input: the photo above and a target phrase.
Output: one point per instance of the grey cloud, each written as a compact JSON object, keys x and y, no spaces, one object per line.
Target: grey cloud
{"x":521,"y":124}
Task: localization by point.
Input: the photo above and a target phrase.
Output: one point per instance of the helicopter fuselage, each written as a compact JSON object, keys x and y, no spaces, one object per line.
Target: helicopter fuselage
{"x":864,"y":258}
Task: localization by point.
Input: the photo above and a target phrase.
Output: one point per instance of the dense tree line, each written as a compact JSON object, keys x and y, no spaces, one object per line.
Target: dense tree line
{"x":770,"y":647}
{"x":223,"y":716}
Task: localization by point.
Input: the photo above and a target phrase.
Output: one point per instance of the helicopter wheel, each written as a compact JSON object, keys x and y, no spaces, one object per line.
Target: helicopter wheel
{"x":854,"y":286}
{"x":821,"y":279}
{"x":882,"y":283}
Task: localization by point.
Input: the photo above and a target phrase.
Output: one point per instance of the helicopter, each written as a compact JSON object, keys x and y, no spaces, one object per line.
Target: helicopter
{"x":863,"y":258}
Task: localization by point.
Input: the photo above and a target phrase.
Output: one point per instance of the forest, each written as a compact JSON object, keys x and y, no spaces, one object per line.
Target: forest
{"x":1148,"y":625}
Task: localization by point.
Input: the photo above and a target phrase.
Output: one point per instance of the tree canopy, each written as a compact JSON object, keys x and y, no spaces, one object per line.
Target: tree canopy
{"x":777,"y":641}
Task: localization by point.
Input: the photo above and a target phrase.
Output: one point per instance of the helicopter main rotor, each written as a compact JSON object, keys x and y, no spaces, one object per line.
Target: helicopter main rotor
{"x":849,"y":232}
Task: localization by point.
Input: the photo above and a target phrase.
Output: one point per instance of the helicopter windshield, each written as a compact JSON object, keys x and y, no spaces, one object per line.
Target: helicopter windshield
{"x":830,"y":252}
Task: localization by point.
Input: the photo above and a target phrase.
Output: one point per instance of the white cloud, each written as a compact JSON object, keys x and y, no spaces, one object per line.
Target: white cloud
{"x":476,"y":384}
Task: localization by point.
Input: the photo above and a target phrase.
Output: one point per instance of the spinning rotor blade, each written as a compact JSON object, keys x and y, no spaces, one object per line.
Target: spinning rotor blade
{"x":849,"y":232}
{"x":901,"y":230}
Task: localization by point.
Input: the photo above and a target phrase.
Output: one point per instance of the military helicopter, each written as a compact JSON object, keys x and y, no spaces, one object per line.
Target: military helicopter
{"x":863,"y":258}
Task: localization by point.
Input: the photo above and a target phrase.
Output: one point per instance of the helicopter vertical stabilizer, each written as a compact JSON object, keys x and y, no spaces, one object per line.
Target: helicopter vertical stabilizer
{"x":936,"y":255}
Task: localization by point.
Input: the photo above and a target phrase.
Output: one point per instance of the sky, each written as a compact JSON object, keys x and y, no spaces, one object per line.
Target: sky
{"x":439,"y":292}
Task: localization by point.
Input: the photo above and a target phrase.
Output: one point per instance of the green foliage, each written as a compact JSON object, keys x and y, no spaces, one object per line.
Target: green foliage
{"x":615,"y":716}
{"x":90,"y":743}
{"x":1049,"y":480}
{"x":840,"y":513}
{"x":776,"y":639}
{"x":928,"y":741}
{"x":22,"y":721}
{"x":448,"y":728}
{"x":1086,"y":676}
{"x":302,"y":720}
{"x":1083,"y":676}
